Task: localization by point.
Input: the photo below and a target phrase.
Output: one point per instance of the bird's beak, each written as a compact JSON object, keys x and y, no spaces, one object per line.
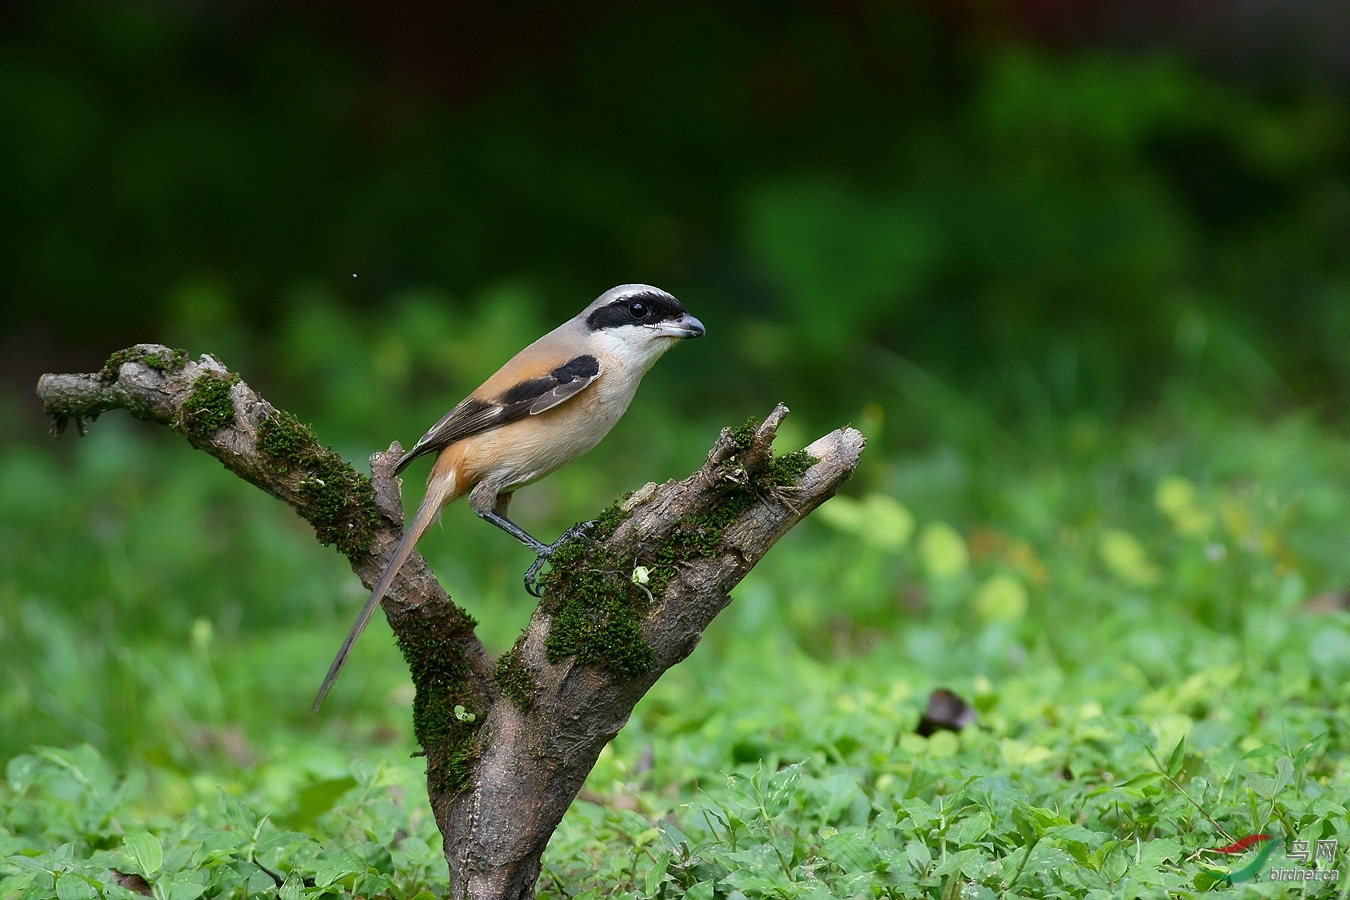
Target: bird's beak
{"x":686,"y":326}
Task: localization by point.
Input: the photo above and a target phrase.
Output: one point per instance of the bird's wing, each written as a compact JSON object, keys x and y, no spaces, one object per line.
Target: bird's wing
{"x":526,"y":398}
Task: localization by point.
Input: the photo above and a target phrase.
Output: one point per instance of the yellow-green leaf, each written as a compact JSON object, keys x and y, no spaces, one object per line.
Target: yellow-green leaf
{"x":1126,"y":558}
{"x":1001,"y":599}
{"x":879,"y":519}
{"x":943,"y":550}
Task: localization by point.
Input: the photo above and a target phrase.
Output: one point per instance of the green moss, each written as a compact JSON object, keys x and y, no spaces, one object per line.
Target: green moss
{"x":341,"y":506}
{"x":514,"y":680}
{"x":743,"y":435}
{"x":697,"y":536}
{"x":611,"y":518}
{"x":597,"y":609}
{"x":286,"y":442}
{"x":602,"y":626}
{"x":167,"y":361}
{"x":113,"y":366}
{"x":781,"y":471}
{"x":340,"y":502}
{"x":433,"y":647}
{"x":209,"y":407}
{"x":788,"y":469}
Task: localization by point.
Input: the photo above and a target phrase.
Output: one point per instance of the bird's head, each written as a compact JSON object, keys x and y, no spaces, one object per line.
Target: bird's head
{"x":638,"y":322}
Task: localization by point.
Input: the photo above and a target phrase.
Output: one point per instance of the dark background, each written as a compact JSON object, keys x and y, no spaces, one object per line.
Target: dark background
{"x":1049,"y":256}
{"x":1051,"y":205}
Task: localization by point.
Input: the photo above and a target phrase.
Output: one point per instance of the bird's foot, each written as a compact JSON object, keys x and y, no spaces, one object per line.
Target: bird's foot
{"x":532,"y":573}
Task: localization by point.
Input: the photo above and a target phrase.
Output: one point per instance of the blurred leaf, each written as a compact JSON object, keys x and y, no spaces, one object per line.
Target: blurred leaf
{"x":878,"y":519}
{"x":1330,"y":653}
{"x":1126,"y":558}
{"x":1174,"y":496}
{"x":1002,"y":598}
{"x":1176,"y":499}
{"x":943,"y":550}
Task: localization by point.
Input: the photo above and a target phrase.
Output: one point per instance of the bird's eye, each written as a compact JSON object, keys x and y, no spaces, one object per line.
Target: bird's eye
{"x":637,"y":309}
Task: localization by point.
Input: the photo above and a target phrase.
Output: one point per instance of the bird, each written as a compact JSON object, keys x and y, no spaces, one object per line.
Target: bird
{"x":547,"y":406}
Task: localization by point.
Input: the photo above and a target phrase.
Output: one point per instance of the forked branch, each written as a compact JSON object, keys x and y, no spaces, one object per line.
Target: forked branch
{"x":508,"y":744}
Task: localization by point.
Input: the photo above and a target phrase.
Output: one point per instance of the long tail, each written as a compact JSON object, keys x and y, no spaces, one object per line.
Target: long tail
{"x":437,"y":492}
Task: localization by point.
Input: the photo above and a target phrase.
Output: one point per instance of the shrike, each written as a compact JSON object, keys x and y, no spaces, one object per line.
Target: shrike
{"x":552,"y":402}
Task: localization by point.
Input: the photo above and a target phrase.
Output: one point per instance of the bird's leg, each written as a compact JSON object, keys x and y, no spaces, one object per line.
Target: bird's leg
{"x":489,"y":505}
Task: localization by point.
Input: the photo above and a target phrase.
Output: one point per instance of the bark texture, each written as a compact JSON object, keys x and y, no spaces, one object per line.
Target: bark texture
{"x":508,"y":743}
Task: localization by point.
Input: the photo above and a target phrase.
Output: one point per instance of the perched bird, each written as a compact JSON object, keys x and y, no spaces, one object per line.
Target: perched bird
{"x":550,"y":404}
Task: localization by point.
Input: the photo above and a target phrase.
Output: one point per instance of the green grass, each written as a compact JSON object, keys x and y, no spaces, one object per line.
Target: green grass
{"x":1144,"y":619}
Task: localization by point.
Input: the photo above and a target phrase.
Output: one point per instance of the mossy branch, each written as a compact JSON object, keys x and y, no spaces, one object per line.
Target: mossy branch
{"x":509,"y":744}
{"x":219,"y":413}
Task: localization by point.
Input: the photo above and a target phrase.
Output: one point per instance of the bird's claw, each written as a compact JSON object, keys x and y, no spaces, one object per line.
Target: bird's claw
{"x":581,"y":529}
{"x":532,"y":573}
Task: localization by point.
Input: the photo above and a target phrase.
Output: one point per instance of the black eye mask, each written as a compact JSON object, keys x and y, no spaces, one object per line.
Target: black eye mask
{"x":636,"y":309}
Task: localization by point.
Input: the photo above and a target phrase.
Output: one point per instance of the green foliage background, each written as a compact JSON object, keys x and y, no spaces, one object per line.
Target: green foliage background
{"x":1090,"y":309}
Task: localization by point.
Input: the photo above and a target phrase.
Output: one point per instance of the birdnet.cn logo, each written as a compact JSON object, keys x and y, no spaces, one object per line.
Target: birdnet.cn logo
{"x":1316,"y":858}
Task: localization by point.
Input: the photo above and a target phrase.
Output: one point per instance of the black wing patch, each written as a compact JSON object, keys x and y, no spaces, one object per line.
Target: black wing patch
{"x":528,"y":398}
{"x":539,"y":394}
